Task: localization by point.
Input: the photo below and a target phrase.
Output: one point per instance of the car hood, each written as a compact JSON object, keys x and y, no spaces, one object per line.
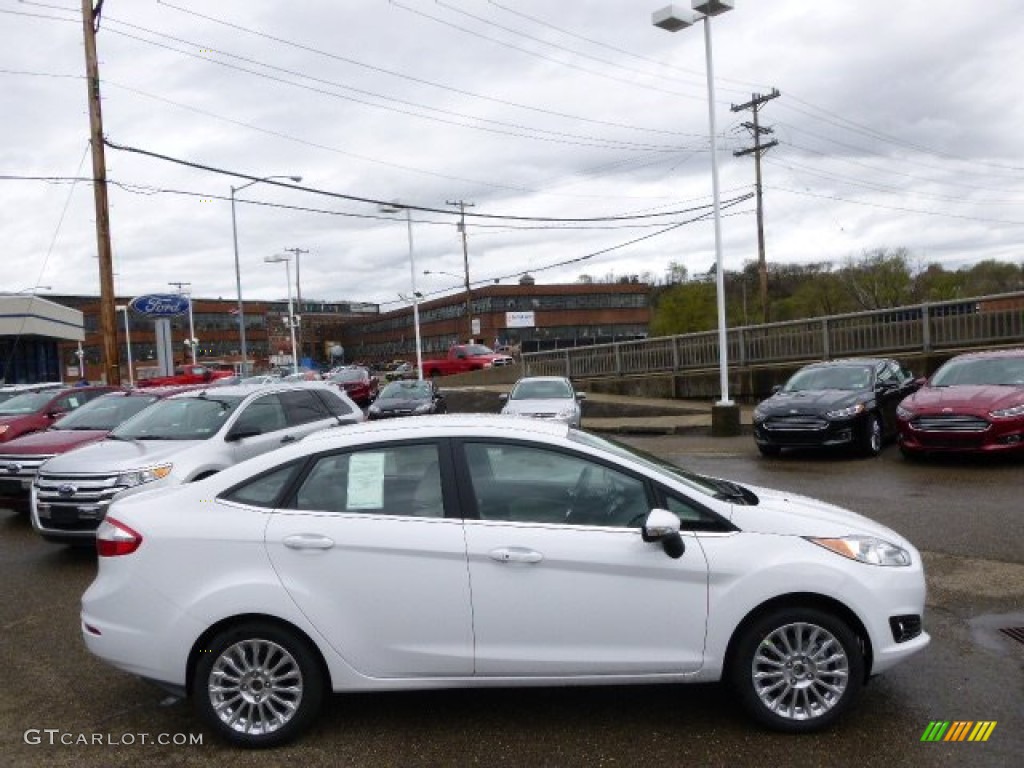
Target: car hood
{"x":53,"y":441}
{"x":975,"y":398}
{"x":553,"y":405}
{"x":812,"y":402}
{"x":399,"y":404}
{"x":14,"y":419}
{"x":117,"y":455}
{"x":790,"y":514}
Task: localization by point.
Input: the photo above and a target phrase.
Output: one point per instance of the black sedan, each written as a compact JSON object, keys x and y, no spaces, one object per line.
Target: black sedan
{"x":407,"y":398}
{"x":842,"y":403}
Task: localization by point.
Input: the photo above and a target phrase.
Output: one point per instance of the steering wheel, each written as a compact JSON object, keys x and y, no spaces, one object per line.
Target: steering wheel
{"x":594,"y":499}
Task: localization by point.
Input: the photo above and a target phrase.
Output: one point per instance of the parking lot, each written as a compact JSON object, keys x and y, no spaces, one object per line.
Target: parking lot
{"x":59,"y":706}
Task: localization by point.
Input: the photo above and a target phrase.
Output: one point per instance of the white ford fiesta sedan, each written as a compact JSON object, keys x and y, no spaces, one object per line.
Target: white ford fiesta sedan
{"x":442,"y":551}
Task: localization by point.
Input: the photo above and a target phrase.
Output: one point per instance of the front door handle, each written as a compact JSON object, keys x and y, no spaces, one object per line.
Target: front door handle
{"x":308,"y":541}
{"x":515,"y":555}
{"x":288,"y":439}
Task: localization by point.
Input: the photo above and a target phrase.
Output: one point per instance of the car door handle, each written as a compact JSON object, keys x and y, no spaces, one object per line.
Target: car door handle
{"x":308,"y":541}
{"x":288,"y":439}
{"x":515,"y":555}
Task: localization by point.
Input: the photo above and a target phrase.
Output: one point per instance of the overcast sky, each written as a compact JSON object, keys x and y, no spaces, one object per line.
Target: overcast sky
{"x":898,"y":126}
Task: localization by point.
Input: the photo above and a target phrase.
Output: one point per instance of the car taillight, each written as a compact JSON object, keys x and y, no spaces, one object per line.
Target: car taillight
{"x":114,"y":538}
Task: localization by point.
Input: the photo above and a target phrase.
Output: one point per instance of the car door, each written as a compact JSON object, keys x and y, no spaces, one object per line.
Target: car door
{"x":563,"y":583}
{"x":369,"y":556}
{"x":263,"y":423}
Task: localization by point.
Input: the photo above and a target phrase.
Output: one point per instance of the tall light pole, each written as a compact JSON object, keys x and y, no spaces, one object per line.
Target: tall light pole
{"x":725,"y":413}
{"x":127,"y":342}
{"x":192,"y":340}
{"x":465,"y":262}
{"x":395,"y":208}
{"x":298,"y":288}
{"x":238,"y":271}
{"x":291,"y":312}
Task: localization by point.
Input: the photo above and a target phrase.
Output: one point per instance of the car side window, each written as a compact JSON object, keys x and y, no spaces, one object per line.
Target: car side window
{"x":335,"y":405}
{"x":303,"y":407}
{"x":264,"y":414}
{"x":395,"y":480}
{"x":265,"y":490}
{"x":691,"y":516}
{"x":530,"y":484}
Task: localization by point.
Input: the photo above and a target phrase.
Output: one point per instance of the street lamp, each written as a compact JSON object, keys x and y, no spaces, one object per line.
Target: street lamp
{"x":238,"y":271}
{"x":291,"y":312}
{"x":395,"y":208}
{"x":192,"y":342}
{"x":127,"y":342}
{"x":725,"y":413}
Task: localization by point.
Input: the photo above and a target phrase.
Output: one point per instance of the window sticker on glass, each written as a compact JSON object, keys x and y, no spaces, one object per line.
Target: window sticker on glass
{"x":366,"y":481}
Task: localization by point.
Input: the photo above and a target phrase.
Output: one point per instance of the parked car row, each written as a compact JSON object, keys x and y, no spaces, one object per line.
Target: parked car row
{"x":972,"y":403}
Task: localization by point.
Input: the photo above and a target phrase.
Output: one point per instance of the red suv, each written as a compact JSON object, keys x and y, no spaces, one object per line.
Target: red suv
{"x":358,"y":383}
{"x":36,"y":411}
{"x":20,"y":458}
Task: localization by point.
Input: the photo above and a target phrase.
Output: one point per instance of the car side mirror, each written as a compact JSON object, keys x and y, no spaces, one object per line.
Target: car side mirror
{"x":661,"y":525}
{"x":240,"y":434}
{"x":581,"y":396}
{"x":503,"y":397}
{"x":776,"y":389}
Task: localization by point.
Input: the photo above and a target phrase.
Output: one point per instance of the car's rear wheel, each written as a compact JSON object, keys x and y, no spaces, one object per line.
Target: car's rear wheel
{"x":797,"y":669}
{"x":257,"y":685}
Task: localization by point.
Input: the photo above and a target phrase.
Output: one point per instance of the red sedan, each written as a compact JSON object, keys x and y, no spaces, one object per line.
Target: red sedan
{"x":36,"y":411}
{"x":973,"y":403}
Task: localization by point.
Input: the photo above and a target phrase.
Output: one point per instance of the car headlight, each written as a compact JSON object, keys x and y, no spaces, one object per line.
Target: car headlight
{"x":3,"y":428}
{"x":141,"y":476}
{"x":425,"y":408}
{"x":1008,"y":413}
{"x":567,"y":413}
{"x":865,"y":549}
{"x":759,"y":415}
{"x":845,"y":413}
{"x":904,"y":413}
{"x":374,"y":408}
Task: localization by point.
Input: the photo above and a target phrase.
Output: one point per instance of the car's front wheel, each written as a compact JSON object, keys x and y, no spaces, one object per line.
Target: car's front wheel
{"x":797,"y":670}
{"x":769,"y":450}
{"x":257,"y":685}
{"x":871,"y":440}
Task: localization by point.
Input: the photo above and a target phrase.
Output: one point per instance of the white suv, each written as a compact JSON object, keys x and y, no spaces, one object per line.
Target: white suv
{"x":177,"y":440}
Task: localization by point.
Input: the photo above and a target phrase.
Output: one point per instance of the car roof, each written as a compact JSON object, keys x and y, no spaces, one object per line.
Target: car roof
{"x":243,"y":391}
{"x":851,"y":361}
{"x":1015,"y":352}
{"x":444,"y":425}
{"x":542,"y":378}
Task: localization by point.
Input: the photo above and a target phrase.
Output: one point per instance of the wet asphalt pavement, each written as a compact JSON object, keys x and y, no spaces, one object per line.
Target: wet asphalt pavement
{"x":966,"y":518}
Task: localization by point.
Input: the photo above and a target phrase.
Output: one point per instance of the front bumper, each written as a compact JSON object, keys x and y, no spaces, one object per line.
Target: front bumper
{"x":808,"y":432}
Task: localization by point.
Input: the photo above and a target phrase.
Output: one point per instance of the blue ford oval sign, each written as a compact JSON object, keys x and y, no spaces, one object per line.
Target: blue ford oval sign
{"x":160,"y":305}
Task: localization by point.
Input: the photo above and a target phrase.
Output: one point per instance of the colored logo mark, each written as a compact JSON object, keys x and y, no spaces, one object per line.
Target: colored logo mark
{"x":958,"y":730}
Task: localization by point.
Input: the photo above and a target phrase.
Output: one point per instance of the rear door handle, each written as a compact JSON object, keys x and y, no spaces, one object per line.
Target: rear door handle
{"x":308,"y":541}
{"x":515,"y":555}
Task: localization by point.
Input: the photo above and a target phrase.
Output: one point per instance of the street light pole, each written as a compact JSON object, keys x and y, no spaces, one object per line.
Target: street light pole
{"x":291,"y":312}
{"x":298,"y":289}
{"x":127,"y":342}
{"x":191,"y":326}
{"x":673,"y":19}
{"x":238,"y":271}
{"x":395,"y":208}
{"x":465,"y":263}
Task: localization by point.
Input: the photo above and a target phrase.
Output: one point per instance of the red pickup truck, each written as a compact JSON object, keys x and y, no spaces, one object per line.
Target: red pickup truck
{"x":465,"y":357}
{"x":185,"y":374}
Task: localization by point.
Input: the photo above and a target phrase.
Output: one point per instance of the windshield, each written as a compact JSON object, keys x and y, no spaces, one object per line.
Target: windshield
{"x":180,"y":418}
{"x":709,"y":486}
{"x":405,"y":390}
{"x":554,"y":389}
{"x":105,"y":412}
{"x":27,"y":403}
{"x":1000,"y":371}
{"x":476,"y":349}
{"x":849,"y":377}
{"x":353,"y":374}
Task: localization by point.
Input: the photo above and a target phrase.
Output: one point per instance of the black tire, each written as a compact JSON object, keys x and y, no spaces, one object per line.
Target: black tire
{"x":762,"y":663}
{"x":435,"y":374}
{"x":871,"y":439}
{"x":769,"y":450}
{"x":233,"y":692}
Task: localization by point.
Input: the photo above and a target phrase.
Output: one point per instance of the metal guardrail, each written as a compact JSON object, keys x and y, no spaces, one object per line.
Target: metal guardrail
{"x":986,"y":321}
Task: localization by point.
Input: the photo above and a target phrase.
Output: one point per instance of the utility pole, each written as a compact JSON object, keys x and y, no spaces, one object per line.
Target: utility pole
{"x":298,"y":293}
{"x":757,"y":131}
{"x":191,"y":324}
{"x":108,"y":306}
{"x":465,"y":261}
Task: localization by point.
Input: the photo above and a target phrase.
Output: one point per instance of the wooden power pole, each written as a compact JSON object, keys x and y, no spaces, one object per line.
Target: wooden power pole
{"x":465,"y":262}
{"x":754,"y":105}
{"x":108,"y":308}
